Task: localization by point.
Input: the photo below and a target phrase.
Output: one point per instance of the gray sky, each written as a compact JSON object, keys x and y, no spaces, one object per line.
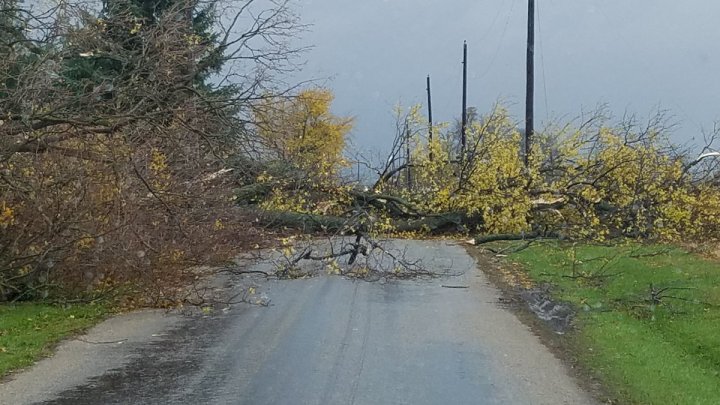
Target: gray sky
{"x":633,"y":55}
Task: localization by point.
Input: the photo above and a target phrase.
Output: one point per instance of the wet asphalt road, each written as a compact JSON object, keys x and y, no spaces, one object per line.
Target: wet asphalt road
{"x":329,"y":340}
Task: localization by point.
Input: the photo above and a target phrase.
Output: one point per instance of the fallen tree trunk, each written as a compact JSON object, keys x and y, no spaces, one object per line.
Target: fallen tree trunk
{"x":434,"y":224}
{"x":313,"y":223}
{"x":479,"y":240}
{"x":310,"y":223}
{"x":253,"y":193}
{"x":395,"y":206}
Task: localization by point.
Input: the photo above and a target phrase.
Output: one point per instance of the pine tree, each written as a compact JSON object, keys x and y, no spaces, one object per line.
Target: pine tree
{"x":10,"y":25}
{"x":17,"y":51}
{"x":124,"y":24}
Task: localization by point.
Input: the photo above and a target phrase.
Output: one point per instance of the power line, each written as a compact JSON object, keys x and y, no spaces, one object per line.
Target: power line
{"x":500,"y":42}
{"x":492,"y":24}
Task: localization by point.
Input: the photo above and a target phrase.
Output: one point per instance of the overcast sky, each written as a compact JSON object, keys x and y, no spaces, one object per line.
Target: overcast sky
{"x":633,"y":55}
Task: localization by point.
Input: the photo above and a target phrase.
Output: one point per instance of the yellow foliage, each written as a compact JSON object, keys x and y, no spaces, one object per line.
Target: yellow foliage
{"x":610,"y":182}
{"x":159,"y":168}
{"x":136,"y":28}
{"x":621,"y":185}
{"x":158,"y":162}
{"x":7,"y":215}
{"x":304,"y":131}
{"x":85,"y":242}
{"x":333,"y":268}
{"x":176,"y":255}
{"x":280,"y":200}
{"x":493,"y":186}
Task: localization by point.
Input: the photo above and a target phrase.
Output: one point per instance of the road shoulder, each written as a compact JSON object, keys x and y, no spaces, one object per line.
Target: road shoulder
{"x":107,"y":346}
{"x":562,"y":345}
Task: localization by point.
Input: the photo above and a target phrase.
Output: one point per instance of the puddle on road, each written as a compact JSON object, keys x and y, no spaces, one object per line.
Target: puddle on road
{"x":519,"y":291}
{"x":557,"y":315}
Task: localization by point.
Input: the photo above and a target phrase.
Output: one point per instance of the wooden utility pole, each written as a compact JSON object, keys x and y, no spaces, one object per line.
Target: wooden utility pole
{"x":430,"y":118}
{"x":408,"y":169}
{"x":530,"y":85}
{"x":463,"y":125}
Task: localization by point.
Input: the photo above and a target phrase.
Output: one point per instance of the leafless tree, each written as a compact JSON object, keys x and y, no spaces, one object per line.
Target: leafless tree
{"x":114,"y":177}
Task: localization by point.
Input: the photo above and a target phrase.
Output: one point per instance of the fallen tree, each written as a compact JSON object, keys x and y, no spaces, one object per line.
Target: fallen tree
{"x":327,"y":224}
{"x":594,"y":180}
{"x":115,"y":123}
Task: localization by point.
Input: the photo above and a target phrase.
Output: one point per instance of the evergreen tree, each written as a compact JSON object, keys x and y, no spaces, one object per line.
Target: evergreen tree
{"x":123,"y":24}
{"x":17,"y":51}
{"x":11,"y":26}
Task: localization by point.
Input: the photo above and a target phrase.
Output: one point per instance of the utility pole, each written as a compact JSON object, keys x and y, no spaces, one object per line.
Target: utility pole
{"x":408,"y":169}
{"x":530,"y":85}
{"x":463,"y":125}
{"x":430,"y":119}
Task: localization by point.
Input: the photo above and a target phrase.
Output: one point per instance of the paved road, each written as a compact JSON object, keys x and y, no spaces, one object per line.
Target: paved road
{"x":328,"y":340}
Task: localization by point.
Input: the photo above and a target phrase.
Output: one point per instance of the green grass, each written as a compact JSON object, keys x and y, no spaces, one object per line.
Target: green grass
{"x":29,"y":331}
{"x":665,"y":353}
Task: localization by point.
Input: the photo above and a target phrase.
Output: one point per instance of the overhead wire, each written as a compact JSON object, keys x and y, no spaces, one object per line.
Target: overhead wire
{"x":492,"y":25}
{"x":500,"y":42}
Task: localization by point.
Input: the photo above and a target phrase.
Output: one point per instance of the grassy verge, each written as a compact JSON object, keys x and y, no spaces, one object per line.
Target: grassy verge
{"x":650,"y":345}
{"x":29,"y":331}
